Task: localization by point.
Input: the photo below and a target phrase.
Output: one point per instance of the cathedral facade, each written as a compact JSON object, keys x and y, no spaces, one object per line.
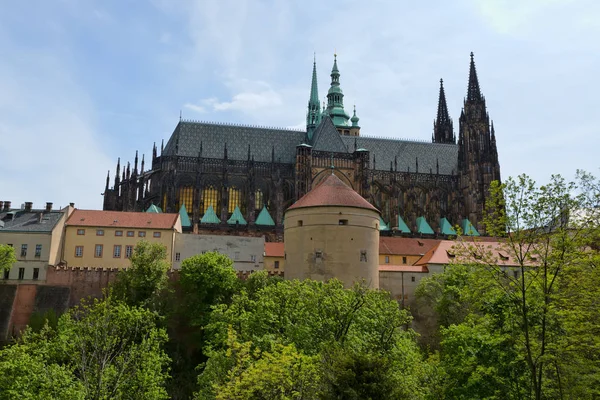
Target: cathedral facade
{"x":245,"y":177}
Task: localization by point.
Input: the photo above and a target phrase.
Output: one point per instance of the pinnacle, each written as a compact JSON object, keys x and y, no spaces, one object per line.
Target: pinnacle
{"x":473,"y":92}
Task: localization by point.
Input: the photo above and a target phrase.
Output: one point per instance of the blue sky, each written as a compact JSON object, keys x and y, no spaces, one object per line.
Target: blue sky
{"x":83,"y":82}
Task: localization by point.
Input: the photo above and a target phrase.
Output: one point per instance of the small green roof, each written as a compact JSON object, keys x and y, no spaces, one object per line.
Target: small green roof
{"x":468,"y":228}
{"x":382,"y":225}
{"x":264,"y":218}
{"x":446,"y":227}
{"x":402,"y":227}
{"x":154,"y":209}
{"x":185,"y":218}
{"x":210,"y":217}
{"x":423,"y":226}
{"x":237,"y":217}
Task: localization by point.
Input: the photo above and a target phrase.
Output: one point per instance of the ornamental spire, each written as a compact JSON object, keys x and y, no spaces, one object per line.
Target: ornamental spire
{"x":473,"y":93}
{"x":313,"y":117}
{"x":335,"y":98}
{"x":443,"y":132}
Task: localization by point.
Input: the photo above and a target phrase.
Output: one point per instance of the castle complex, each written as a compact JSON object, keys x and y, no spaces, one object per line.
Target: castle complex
{"x":247,"y":177}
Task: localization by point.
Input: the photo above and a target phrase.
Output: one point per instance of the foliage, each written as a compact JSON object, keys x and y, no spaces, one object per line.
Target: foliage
{"x":7,"y":257}
{"x":528,"y":329}
{"x":362,"y":325}
{"x":103,"y":349}
{"x":143,"y":283}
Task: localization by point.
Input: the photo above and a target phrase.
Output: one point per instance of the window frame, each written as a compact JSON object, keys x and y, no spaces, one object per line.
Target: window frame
{"x":119,"y":233}
{"x":156,"y":234}
{"x":96,"y":247}
{"x":77,"y":248}
{"x":130,"y":233}
{"x":99,"y":232}
{"x":36,"y":274}
{"x":177,"y":256}
{"x":128,"y":251}
{"x":21,"y":273}
{"x":38,"y":250}
{"x":24,"y":250}
{"x":117,"y":249}
{"x":80,"y":232}
{"x":142,"y":234}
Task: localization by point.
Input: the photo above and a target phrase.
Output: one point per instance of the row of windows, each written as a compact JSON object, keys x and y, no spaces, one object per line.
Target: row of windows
{"x":38,"y":250}
{"x":36,"y":274}
{"x":387,"y":260}
{"x":99,"y":251}
{"x":100,"y":232}
{"x":210,"y":196}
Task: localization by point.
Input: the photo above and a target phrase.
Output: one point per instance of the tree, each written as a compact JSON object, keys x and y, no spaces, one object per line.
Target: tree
{"x":317,"y":318}
{"x":143,"y":283}
{"x":100,"y":350}
{"x":523,"y":330}
{"x":7,"y":257}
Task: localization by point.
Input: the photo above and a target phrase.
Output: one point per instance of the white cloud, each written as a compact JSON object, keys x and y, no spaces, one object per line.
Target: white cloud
{"x":194,"y":107}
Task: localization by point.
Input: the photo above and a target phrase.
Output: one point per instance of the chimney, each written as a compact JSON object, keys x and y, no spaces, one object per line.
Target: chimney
{"x":72,"y":205}
{"x":48,"y":207}
{"x":28,"y":206}
{"x":6,"y":205}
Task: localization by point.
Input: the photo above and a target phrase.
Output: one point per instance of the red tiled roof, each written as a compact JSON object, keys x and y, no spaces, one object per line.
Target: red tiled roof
{"x":405,"y":246}
{"x":427,"y":256}
{"x":122,"y":219}
{"x":404,"y":268}
{"x":274,"y":249}
{"x":494,"y":252}
{"x":332,"y":192}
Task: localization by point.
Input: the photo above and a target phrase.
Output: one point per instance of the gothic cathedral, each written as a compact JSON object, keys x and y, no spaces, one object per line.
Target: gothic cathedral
{"x":236,"y":177}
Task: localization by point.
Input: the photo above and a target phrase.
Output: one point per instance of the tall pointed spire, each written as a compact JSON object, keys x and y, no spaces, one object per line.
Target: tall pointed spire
{"x":313,"y":117}
{"x":473,"y":93}
{"x":443,"y":131}
{"x":335,"y":98}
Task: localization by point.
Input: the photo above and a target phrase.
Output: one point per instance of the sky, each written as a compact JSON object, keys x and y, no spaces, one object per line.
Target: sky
{"x":83,"y":82}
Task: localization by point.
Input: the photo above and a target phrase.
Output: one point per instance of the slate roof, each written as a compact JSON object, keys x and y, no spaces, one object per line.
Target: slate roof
{"x":332,"y":192}
{"x":122,"y":219}
{"x":22,"y":221}
{"x":407,"y":153}
{"x":189,"y":135}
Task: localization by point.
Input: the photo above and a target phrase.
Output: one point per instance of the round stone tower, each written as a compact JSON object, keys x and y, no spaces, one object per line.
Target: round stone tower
{"x":332,"y":232}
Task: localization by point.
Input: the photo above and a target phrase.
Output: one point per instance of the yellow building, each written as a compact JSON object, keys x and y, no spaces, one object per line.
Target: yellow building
{"x":36,"y":235}
{"x":332,"y":232}
{"x":274,"y":257}
{"x":96,"y":238}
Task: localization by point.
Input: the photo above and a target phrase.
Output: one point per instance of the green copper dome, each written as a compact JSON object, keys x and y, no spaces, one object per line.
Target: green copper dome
{"x":335,"y":99}
{"x":354,"y":118}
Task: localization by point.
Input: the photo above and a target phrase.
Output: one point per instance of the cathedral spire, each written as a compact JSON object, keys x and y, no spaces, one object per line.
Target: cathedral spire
{"x":118,"y":173}
{"x":335,"y":98}
{"x":443,"y":131}
{"x":473,"y":92}
{"x":313,"y":117}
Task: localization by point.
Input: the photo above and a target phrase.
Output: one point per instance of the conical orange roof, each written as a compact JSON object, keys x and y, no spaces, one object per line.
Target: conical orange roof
{"x":332,"y":192}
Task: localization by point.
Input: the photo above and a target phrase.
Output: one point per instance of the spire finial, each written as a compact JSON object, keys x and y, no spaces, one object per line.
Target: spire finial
{"x":180,"y":115}
{"x":443,"y":132}
{"x":473,"y":92}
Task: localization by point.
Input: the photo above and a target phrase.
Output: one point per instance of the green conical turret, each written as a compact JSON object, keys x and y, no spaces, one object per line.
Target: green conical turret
{"x":313,"y":117}
{"x":354,"y":118}
{"x":335,"y":98}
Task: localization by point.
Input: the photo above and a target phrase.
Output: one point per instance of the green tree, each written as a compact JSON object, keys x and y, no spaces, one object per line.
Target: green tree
{"x":316,"y":317}
{"x":145,"y":281}
{"x":7,"y":257}
{"x":100,"y":350}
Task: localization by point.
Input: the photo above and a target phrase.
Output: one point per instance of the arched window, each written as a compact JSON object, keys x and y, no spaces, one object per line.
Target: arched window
{"x":186,"y":197}
{"x":210,"y":196}
{"x":258,"y":199}
{"x":234,"y":199}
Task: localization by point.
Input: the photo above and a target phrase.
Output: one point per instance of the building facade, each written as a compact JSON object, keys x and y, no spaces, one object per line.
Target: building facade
{"x":106,"y":239}
{"x":244,"y":176}
{"x":37,"y":237}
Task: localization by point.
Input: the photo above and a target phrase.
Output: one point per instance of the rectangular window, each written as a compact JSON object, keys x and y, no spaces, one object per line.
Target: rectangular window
{"x":98,"y":252}
{"x":343,"y":222}
{"x":38,"y":250}
{"x":117,"y":251}
{"x":387,"y":259}
{"x":130,"y":233}
{"x":276,"y":266}
{"x":78,"y":251}
{"x":23,"y":250}
{"x":177,"y":256}
{"x":412,"y":279}
{"x":81,"y":232}
{"x":363,"y":255}
{"x":128,"y":251}
{"x":99,"y":232}
{"x":300,"y":222}
{"x":156,"y":234}
{"x":253,"y":258}
{"x":318,"y":254}
{"x":403,"y":260}
{"x":36,"y":274}
{"x":142,"y":233}
{"x":118,"y":233}
{"x":516,"y":274}
{"x":21,"y":273}
{"x":6,"y":273}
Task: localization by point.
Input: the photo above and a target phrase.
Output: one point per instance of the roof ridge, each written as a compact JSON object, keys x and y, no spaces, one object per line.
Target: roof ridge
{"x":241,"y":125}
{"x":406,"y":140}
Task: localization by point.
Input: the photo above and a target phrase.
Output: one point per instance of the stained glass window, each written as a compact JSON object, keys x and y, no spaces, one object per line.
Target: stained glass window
{"x":234,"y":199}
{"x":186,"y":196}
{"x":210,"y":196}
